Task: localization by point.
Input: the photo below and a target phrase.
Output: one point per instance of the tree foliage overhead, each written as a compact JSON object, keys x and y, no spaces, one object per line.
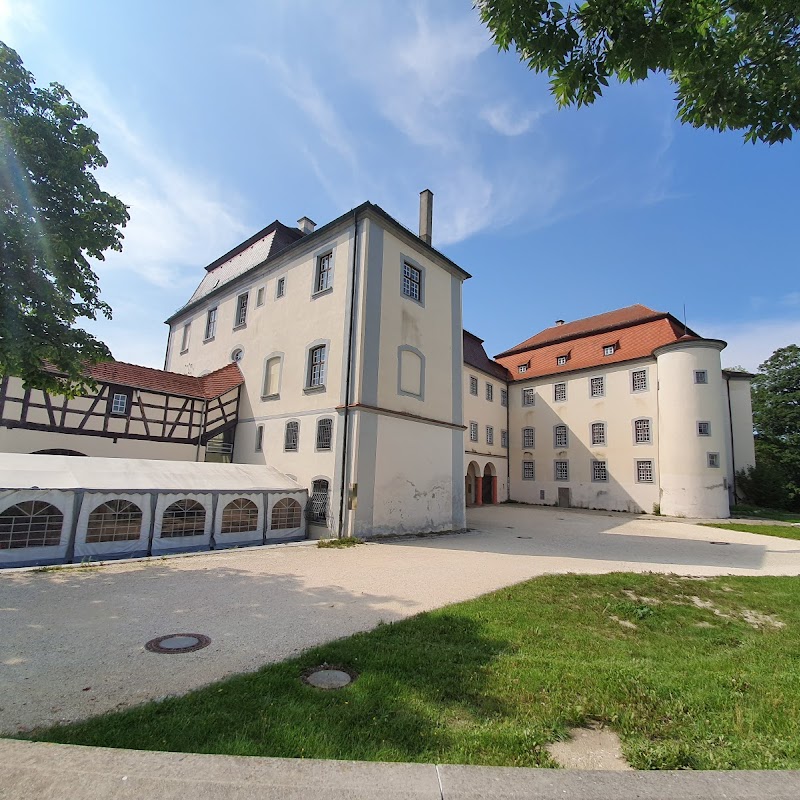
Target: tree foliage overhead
{"x":735,"y":63}
{"x":53,"y":218}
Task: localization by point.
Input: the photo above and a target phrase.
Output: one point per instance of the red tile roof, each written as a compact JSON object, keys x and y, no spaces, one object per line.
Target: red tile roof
{"x":206,"y":387}
{"x":632,"y":341}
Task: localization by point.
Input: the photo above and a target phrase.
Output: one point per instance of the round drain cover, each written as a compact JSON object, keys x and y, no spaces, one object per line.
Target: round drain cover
{"x":326,"y":677}
{"x":178,"y":643}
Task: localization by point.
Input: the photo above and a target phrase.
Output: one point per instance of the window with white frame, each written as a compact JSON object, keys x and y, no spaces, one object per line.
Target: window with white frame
{"x":30,"y":523}
{"x":473,"y":431}
{"x":528,"y":397}
{"x":597,"y":386}
{"x":316,"y":366}
{"x":529,"y":438}
{"x":489,"y":434}
{"x":291,"y":436}
{"x":272,"y":377}
{"x":490,"y":392}
{"x":639,"y":380}
{"x":598,"y":433}
{"x":559,"y":392}
{"x":114,"y":521}
{"x":700,"y":376}
{"x":561,"y":470}
{"x":119,"y":403}
{"x":522,"y":368}
{"x":641,"y":431}
{"x":473,"y":385}
{"x":412,"y":282}
{"x":609,"y":349}
{"x":185,"y":338}
{"x":713,"y":459}
{"x":280,"y":288}
{"x":644,"y":471}
{"x":503,"y":397}
{"x":599,"y":471}
{"x":211,"y":324}
{"x":259,"y":438}
{"x":324,"y":277}
{"x":560,"y":437}
{"x":529,"y":470}
{"x":324,"y":433}
{"x":704,"y":429}
{"x":561,"y":360}
{"x":504,"y":439}
{"x":241,"y":311}
{"x":260,"y":296}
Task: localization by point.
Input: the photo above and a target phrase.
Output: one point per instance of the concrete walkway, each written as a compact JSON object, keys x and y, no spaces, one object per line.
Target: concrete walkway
{"x":35,"y":771}
{"x":72,"y":641}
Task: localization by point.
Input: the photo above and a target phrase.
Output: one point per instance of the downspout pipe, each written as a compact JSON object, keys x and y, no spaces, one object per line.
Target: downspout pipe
{"x":348,"y":378}
{"x":733,"y":451}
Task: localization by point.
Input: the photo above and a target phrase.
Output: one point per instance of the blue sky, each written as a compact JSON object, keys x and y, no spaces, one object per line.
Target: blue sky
{"x":217,"y":119}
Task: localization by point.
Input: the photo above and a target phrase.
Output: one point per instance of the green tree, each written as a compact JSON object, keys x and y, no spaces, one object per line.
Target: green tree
{"x":735,"y":63}
{"x":776,"y":417}
{"x":53,"y":218}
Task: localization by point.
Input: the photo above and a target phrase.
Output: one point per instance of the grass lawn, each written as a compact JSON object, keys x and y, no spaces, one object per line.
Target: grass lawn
{"x":784,"y":531}
{"x":765,"y":513}
{"x":702,"y":674}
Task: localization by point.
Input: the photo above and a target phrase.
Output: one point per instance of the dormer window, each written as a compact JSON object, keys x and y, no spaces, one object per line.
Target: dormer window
{"x":522,"y":368}
{"x":561,"y":360}
{"x":609,"y":349}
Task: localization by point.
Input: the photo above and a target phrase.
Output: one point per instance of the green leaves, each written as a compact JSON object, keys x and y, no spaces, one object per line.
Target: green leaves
{"x":735,"y":63}
{"x":53,"y":218}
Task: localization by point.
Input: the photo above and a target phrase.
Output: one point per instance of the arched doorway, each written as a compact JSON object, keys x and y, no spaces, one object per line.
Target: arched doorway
{"x":472,"y":485}
{"x":489,"y":487}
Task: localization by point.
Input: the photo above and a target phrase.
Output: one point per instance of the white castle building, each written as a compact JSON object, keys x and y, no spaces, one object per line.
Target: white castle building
{"x":336,"y":357}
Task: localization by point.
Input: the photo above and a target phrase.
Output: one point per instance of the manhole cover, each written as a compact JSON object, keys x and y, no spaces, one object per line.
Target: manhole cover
{"x":326,"y":677}
{"x":178,"y":643}
{"x":719,"y":542}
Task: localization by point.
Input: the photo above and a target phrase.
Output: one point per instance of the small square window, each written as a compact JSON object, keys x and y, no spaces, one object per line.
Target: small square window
{"x":324,"y":278}
{"x":559,"y":392}
{"x":528,"y":438}
{"x":473,"y":431}
{"x":260,"y":296}
{"x":597,"y":386}
{"x":639,"y":380}
{"x":713,"y":459}
{"x":473,"y":385}
{"x":599,"y":471}
{"x":489,"y":434}
{"x":561,"y":470}
{"x":241,"y":311}
{"x":412,"y":282}
{"x":598,"y":433}
{"x":503,"y":397}
{"x":528,"y":470}
{"x":522,"y":368}
{"x":609,"y":349}
{"x":641,"y":431}
{"x":504,"y":439}
{"x":211,"y":324}
{"x":280,"y":289}
{"x":119,"y":403}
{"x":490,"y":392}
{"x":561,"y":360}
{"x":700,"y":376}
{"x":528,"y":397}
{"x":644,"y":471}
{"x":704,"y":429}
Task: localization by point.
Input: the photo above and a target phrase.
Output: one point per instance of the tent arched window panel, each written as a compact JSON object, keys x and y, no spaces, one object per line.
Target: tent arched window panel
{"x":183,"y":518}
{"x":30,"y":524}
{"x":114,"y":521}
{"x":286,"y":513}
{"x":239,"y":516}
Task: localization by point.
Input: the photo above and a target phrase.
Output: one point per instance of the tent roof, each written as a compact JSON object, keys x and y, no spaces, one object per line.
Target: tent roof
{"x":23,"y":471}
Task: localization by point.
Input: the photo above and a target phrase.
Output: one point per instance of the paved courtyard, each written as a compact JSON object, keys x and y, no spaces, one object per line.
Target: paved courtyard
{"x":73,"y":640}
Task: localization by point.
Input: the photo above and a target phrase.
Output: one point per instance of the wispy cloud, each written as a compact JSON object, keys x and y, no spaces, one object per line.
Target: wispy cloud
{"x":504,"y":121}
{"x":752,"y":343}
{"x":17,"y":16}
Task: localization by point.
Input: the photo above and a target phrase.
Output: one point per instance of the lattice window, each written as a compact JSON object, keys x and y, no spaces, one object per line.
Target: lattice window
{"x":713,"y":459}
{"x":183,"y":518}
{"x":119,"y":403}
{"x":529,"y":438}
{"x":114,"y":521}
{"x":318,"y":503}
{"x":324,"y":272}
{"x":241,"y":310}
{"x":324,"y":433}
{"x":560,"y":436}
{"x":608,"y":350}
{"x":561,"y":360}
{"x":644,"y":471}
{"x":639,"y":380}
{"x":528,"y":397}
{"x":704,"y":429}
{"x":473,"y":385}
{"x":641,"y":431}
{"x":503,"y":397}
{"x":561,"y":470}
{"x":185,"y":338}
{"x":489,"y":434}
{"x":211,"y":323}
{"x":286,"y":513}
{"x":529,"y":470}
{"x":598,"y":386}
{"x":700,"y":376}
{"x":599,"y":471}
{"x":490,"y":392}
{"x":316,"y":366}
{"x":239,"y":516}
{"x":473,"y":431}
{"x":504,"y":439}
{"x":412,"y":282}
{"x":559,"y":392}
{"x":522,"y":368}
{"x":280,"y":289}
{"x":598,"y":433}
{"x":291,"y":436}
{"x":30,"y":524}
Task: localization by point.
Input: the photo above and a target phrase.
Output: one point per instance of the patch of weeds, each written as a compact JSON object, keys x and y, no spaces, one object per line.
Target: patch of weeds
{"x":656,"y":509}
{"x":347,"y":541}
{"x":629,"y":608}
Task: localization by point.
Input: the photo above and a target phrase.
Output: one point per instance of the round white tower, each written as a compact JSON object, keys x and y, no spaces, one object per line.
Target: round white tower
{"x":692,"y":440}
